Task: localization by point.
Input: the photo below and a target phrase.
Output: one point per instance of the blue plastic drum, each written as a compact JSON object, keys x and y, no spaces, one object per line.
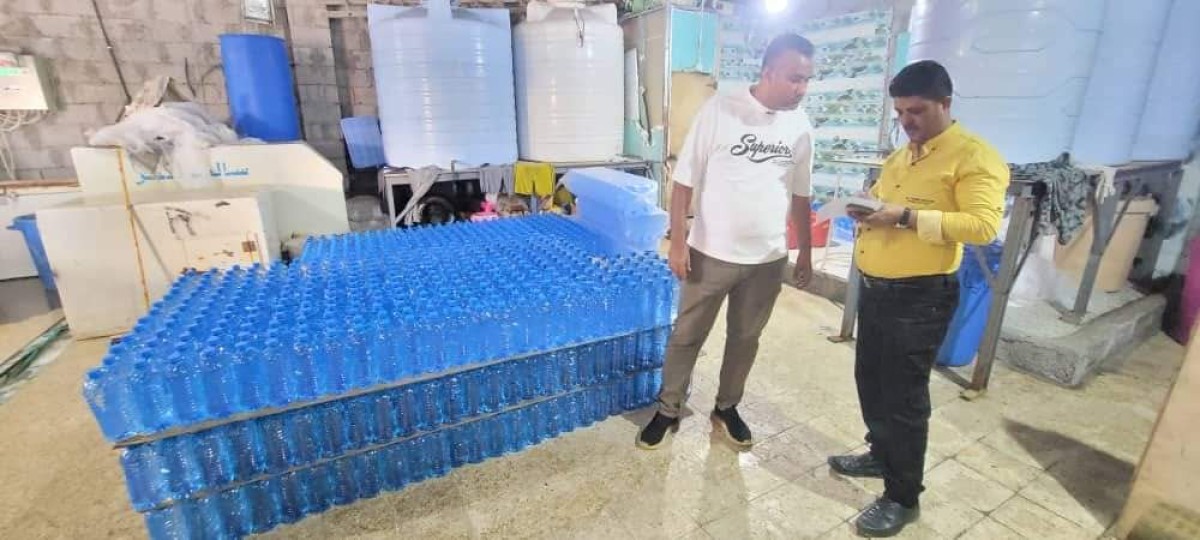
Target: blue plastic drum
{"x":258,"y":80}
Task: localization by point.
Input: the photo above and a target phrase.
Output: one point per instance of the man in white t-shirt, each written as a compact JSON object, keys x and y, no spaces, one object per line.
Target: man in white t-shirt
{"x":747,"y":165}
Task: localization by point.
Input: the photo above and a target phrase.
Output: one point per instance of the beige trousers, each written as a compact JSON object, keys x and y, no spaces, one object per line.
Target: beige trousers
{"x":751,"y":290}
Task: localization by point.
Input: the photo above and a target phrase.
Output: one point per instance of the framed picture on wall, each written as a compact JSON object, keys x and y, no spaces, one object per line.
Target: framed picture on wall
{"x":259,"y":11}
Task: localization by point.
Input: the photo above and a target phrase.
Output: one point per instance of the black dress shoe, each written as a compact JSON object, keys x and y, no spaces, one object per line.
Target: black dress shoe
{"x":885,"y":518}
{"x":655,"y":432}
{"x":735,"y":429}
{"x":863,"y":466}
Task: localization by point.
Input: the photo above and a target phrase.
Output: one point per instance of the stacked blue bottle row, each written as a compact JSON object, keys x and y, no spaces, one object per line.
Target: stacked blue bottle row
{"x":363,"y":310}
{"x":256,"y":506}
{"x":252,"y":397}
{"x":465,"y":242}
{"x":182,"y":466}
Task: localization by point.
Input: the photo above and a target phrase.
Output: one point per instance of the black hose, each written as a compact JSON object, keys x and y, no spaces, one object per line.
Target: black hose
{"x":112,"y":55}
{"x":18,"y":363}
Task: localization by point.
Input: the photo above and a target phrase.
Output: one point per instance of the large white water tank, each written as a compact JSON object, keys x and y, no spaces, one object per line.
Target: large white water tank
{"x":1019,"y":67}
{"x":1172,"y":113}
{"x":569,"y":61}
{"x":445,"y":83}
{"x":1116,"y":91}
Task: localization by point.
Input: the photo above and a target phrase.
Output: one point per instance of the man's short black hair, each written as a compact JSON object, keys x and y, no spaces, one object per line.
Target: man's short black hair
{"x":787,"y":42}
{"x":926,"y":79}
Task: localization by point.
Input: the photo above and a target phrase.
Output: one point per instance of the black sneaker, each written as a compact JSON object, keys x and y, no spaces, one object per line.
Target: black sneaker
{"x":655,"y":432}
{"x":732,"y":425}
{"x":885,"y":518}
{"x":863,"y":465}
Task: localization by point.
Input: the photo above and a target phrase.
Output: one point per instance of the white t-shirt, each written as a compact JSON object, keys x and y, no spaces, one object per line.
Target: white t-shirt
{"x":744,"y":162}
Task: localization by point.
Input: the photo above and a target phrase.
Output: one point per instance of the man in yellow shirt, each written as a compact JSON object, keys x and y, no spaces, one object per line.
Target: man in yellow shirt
{"x":945,"y":189}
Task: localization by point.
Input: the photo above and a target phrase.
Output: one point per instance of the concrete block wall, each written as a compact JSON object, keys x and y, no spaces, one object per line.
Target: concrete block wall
{"x":316,"y":82}
{"x":356,"y":77}
{"x":150,"y":38}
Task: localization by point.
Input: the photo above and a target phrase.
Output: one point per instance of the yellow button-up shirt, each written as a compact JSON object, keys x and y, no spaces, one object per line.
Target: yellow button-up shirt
{"x":955,"y":185}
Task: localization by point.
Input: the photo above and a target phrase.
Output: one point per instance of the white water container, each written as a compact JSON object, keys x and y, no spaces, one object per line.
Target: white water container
{"x":1019,"y":67}
{"x":1172,"y":112}
{"x":1116,"y":92}
{"x":445,"y":84}
{"x":569,"y":61}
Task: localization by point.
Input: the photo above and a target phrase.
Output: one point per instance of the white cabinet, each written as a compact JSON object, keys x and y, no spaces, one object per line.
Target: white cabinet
{"x":108,"y":263}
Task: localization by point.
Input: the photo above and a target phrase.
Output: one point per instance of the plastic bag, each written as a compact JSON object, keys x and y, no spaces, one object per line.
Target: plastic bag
{"x":1038,"y":278}
{"x":176,"y":136}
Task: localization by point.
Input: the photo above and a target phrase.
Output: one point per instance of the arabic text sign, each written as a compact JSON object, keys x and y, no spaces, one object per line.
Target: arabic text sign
{"x":219,"y":170}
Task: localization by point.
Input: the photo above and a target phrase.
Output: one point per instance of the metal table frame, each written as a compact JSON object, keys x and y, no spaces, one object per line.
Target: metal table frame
{"x":1160,"y":179}
{"x":874,"y":166}
{"x":1021,"y":228}
{"x":390,"y":177}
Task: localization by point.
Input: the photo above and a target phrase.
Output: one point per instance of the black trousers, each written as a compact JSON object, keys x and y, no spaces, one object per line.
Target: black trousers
{"x":901,"y":324}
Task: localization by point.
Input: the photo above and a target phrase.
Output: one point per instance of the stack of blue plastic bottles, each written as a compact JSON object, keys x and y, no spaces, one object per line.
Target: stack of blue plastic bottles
{"x":621,"y":207}
{"x":252,"y":397}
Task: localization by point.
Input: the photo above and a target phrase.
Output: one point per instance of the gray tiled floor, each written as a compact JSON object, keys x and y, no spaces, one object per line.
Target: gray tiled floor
{"x":1029,"y":461}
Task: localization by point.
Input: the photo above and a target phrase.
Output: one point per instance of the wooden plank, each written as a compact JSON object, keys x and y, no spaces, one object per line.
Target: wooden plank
{"x":1169,"y":473}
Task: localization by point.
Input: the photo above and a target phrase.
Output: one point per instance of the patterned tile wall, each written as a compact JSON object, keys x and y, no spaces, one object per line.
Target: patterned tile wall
{"x":846,"y":98}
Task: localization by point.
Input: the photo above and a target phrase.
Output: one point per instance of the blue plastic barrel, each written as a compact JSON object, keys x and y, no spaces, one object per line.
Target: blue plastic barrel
{"x":974,"y":301}
{"x":258,"y":80}
{"x":27,"y":226}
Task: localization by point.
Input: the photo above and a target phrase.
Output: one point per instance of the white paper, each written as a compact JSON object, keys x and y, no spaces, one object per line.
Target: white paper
{"x":837,"y":207}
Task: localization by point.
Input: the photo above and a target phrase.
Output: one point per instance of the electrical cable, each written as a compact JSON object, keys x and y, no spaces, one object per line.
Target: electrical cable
{"x":6,"y":157}
{"x":112,"y":54}
{"x":14,"y":366}
{"x":10,"y":121}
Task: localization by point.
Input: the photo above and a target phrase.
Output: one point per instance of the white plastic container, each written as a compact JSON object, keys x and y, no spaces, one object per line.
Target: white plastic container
{"x":1116,"y":91}
{"x":569,"y":63}
{"x":620,"y":207}
{"x":620,"y":188}
{"x":445,"y":83}
{"x":1172,"y":112}
{"x":1019,"y":67}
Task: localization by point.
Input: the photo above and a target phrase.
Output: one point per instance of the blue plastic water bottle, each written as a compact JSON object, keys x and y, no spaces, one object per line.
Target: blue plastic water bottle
{"x":248,"y":456}
{"x":185,"y":387}
{"x":346,"y":486}
{"x":143,"y":477}
{"x":302,"y":435}
{"x":292,"y":494}
{"x":215,"y":455}
{"x":366,"y":476}
{"x":458,"y":408}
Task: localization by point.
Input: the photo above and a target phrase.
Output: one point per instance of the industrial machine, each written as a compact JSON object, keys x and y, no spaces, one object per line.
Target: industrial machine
{"x":130,"y":231}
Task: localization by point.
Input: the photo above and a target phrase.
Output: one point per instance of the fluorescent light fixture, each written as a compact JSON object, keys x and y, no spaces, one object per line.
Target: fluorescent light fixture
{"x":775,"y":6}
